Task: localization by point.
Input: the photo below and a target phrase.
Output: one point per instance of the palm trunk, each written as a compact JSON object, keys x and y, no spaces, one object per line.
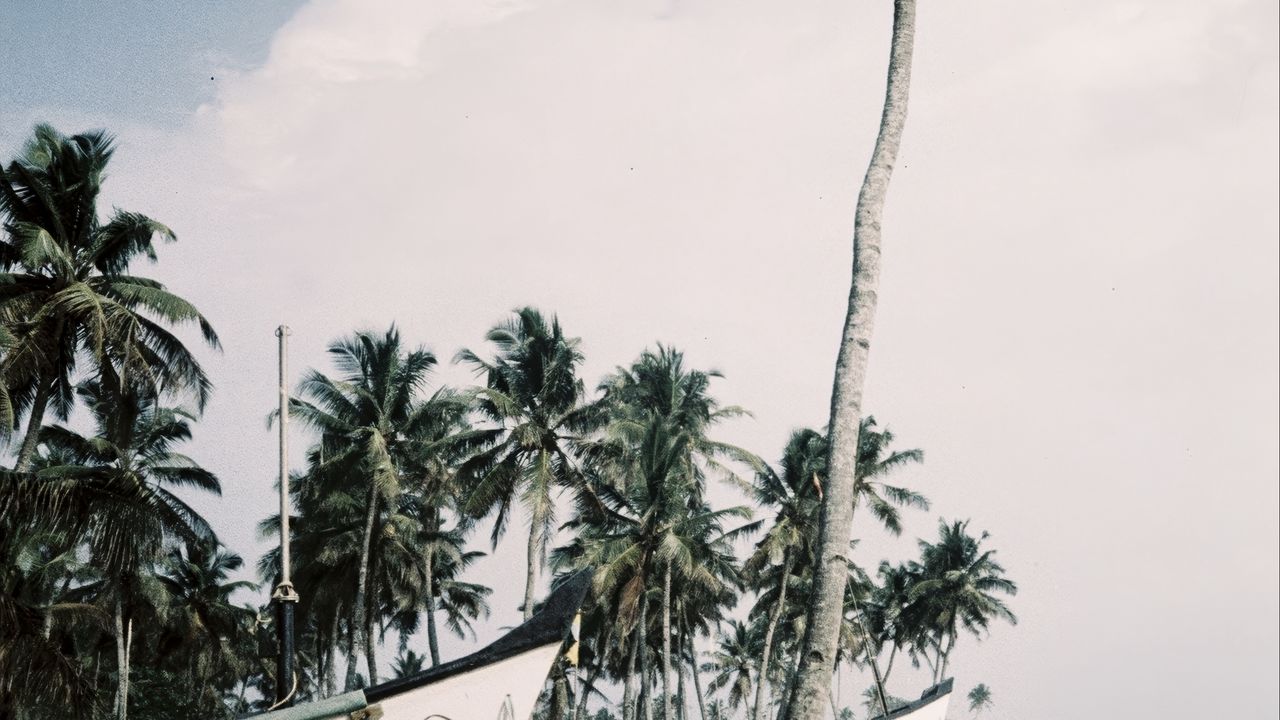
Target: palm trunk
{"x":646,"y":698}
{"x":589,"y":681}
{"x":559,"y":696}
{"x":35,"y":420}
{"x":534,"y":559}
{"x":123,"y":638}
{"x":774,"y":615}
{"x":888,"y":668}
{"x":787,"y":687}
{"x":629,"y":681}
{"x":682,"y":704}
{"x":942,"y":665}
{"x":370,"y":647}
{"x":933,"y":666}
{"x":818,"y":654}
{"x":331,"y":677}
{"x":433,"y":641}
{"x":666,"y":644}
{"x":362,"y":581}
{"x":697,"y":683}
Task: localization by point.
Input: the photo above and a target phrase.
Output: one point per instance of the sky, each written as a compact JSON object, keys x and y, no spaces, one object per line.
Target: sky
{"x":1078,"y":312}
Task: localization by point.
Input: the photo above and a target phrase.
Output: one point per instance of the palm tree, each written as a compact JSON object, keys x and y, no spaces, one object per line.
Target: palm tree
{"x":207,"y":622}
{"x":406,"y":664}
{"x":732,"y":664}
{"x":535,"y":399}
{"x":66,"y":291}
{"x":980,"y":699}
{"x":813,"y":685}
{"x":871,"y":702}
{"x":37,"y":672}
{"x":789,"y":545}
{"x":789,"y":540}
{"x":370,"y":420}
{"x":888,"y":614}
{"x":434,"y":587}
{"x":129,"y":464}
{"x":957,"y":590}
{"x":660,"y":413}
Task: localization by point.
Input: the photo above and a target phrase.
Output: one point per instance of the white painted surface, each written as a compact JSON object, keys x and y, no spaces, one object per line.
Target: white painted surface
{"x":936,"y":710}
{"x":481,"y":694}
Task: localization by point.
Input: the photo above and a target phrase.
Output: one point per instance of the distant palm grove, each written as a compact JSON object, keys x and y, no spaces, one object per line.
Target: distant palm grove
{"x":117,"y":599}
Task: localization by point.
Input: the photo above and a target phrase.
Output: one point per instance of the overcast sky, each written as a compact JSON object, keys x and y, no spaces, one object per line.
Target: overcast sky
{"x":1078,"y":319}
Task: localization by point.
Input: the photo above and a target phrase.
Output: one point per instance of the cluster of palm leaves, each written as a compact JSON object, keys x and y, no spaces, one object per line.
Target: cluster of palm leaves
{"x":95,"y":543}
{"x":117,"y":599}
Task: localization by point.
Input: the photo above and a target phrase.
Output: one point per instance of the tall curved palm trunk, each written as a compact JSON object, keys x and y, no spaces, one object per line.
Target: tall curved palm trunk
{"x":358,"y":641}
{"x":812,"y":686}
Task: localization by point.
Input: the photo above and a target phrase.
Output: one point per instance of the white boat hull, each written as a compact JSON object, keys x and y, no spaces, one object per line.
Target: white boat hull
{"x":932,"y":705}
{"x":500,"y":682}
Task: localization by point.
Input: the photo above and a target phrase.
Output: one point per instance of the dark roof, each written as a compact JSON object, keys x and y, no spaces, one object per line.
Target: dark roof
{"x":549,"y":625}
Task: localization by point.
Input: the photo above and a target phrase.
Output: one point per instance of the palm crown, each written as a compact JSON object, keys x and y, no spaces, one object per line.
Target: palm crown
{"x":65,"y":287}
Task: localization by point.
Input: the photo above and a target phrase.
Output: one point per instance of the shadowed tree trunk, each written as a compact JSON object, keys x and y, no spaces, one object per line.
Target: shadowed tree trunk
{"x":122,"y":664}
{"x":331,"y":677}
{"x":818,"y":653}
{"x":628,"y":683}
{"x":370,"y":647}
{"x":589,"y":681}
{"x":559,"y":696}
{"x":534,"y":560}
{"x":945,"y":656}
{"x":697,"y":683}
{"x":888,"y":668}
{"x":433,"y":642}
{"x":362,"y":585}
{"x":682,"y":704}
{"x":646,"y":680}
{"x":774,"y":615}
{"x":35,"y":419}
{"x":666,"y":644}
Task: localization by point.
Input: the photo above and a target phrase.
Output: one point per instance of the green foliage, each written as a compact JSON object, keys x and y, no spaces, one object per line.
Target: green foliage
{"x":66,"y":292}
{"x":100,"y":550}
{"x":980,"y":699}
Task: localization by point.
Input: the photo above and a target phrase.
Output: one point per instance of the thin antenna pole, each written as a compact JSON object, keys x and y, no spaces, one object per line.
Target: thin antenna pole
{"x":286,"y":575}
{"x":284,"y":597}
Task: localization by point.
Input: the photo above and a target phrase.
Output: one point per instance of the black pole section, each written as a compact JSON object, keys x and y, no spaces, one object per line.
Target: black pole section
{"x":285,"y":600}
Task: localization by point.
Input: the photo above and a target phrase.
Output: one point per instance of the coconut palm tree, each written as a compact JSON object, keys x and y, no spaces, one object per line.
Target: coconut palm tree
{"x":732,"y":665}
{"x":888,"y":612}
{"x":980,"y":699}
{"x":789,"y":545}
{"x":794,"y":494}
{"x":66,"y":291}
{"x":370,"y":420}
{"x":659,"y":400}
{"x":129,"y":465}
{"x":536,"y":401}
{"x":957,"y":589}
{"x":433,"y":587}
{"x":37,"y":672}
{"x":407,"y":663}
{"x":813,"y":685}
{"x":203,"y":617}
{"x":653,"y":534}
{"x":871,"y":702}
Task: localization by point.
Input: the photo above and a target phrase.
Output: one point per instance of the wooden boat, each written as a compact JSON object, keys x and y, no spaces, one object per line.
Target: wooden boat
{"x":499,"y":682}
{"x":932,"y":705}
